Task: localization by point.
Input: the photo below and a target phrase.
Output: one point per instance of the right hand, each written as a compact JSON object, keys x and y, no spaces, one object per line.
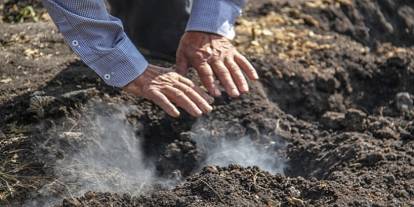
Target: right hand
{"x":166,"y":88}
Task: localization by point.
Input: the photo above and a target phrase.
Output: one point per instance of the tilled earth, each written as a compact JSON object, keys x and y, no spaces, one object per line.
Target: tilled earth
{"x":336,"y":94}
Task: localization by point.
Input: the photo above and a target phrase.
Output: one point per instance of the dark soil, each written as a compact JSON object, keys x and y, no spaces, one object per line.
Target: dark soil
{"x":336,"y":93}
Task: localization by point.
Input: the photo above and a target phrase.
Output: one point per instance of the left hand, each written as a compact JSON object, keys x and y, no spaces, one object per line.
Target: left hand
{"x":214,"y":55}
{"x":166,"y":88}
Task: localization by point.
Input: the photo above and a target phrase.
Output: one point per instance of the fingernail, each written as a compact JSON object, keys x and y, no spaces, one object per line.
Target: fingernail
{"x":244,"y":89}
{"x":176,"y":114}
{"x":256,"y":76}
{"x":209,"y":109}
{"x":217,"y":92}
{"x":198,"y":113}
{"x":235,"y":93}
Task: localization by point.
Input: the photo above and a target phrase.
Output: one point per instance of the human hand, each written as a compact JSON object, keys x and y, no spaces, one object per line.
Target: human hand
{"x":166,"y":88}
{"x":214,"y":55}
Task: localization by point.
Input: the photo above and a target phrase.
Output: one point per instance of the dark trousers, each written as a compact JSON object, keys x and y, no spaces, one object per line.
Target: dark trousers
{"x":154,"y":25}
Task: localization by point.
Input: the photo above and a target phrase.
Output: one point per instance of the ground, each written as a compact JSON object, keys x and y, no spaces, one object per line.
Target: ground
{"x":331,"y":120}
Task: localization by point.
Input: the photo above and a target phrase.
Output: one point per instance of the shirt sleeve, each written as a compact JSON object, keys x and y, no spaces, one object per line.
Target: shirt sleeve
{"x":215,"y":16}
{"x":98,"y":38}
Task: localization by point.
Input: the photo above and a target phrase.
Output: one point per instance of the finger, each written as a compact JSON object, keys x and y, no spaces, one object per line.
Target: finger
{"x":186,"y":81}
{"x":182,"y":65}
{"x":203,"y":94}
{"x":195,"y":97}
{"x":182,"y":100}
{"x":207,"y":78}
{"x":162,"y":101}
{"x":208,"y":98}
{"x":247,"y":67}
{"x":225,"y":78}
{"x":237,"y":75}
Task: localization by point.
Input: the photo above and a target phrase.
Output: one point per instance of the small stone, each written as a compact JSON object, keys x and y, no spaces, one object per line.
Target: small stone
{"x":390,"y":179}
{"x":404,"y":102}
{"x":402,"y":194}
{"x":355,"y":120}
{"x":371,"y":159}
{"x":71,"y":202}
{"x":294,"y":192}
{"x":386,"y":133}
{"x":234,"y":167}
{"x":332,"y":120}
{"x":273,"y":203}
{"x":90,"y":195}
{"x":2,"y":135}
{"x":406,"y":135}
{"x":296,"y":201}
{"x":391,"y":157}
{"x":211,"y":169}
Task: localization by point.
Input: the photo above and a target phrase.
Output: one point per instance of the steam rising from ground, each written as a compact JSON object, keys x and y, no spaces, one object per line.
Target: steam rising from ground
{"x":102,"y":152}
{"x":233,"y":147}
{"x":112,"y":160}
{"x":244,"y":152}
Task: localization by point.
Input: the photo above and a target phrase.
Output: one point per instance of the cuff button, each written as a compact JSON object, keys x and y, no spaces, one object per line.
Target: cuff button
{"x":107,"y":76}
{"x":75,"y":43}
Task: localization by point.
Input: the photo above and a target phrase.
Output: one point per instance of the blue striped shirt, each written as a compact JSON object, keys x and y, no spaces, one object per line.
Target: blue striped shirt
{"x":100,"y":41}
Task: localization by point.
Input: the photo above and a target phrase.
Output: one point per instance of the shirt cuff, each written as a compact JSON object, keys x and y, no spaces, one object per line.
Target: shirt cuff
{"x":214,"y":16}
{"x":121,"y":66}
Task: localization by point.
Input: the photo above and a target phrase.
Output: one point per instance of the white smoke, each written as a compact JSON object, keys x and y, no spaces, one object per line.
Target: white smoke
{"x":101,"y":152}
{"x":112,"y":160}
{"x":226,"y":148}
{"x":244,"y":152}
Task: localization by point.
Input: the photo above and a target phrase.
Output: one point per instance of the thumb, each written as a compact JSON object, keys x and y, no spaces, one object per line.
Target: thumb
{"x":182,"y":65}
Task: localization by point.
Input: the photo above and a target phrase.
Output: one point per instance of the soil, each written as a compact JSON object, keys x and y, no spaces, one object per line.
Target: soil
{"x":336,"y":93}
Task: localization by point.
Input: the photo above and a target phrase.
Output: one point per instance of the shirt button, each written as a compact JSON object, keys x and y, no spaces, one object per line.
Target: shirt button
{"x":75,"y":43}
{"x":107,"y":76}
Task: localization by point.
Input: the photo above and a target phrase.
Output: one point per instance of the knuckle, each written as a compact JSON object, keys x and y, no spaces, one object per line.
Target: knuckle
{"x":180,"y":95}
{"x":233,"y":67}
{"x":150,"y":91}
{"x":222,"y":71}
{"x":199,"y":55}
{"x":186,"y":90}
{"x":215,"y":59}
{"x":206,"y":72}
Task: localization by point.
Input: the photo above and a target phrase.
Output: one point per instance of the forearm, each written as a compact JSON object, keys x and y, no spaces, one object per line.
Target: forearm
{"x":98,"y":38}
{"x":215,"y":16}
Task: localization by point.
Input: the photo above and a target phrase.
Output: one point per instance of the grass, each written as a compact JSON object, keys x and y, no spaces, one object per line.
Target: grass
{"x":16,"y":172}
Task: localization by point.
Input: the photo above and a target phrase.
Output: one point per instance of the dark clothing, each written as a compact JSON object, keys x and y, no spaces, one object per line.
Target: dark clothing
{"x":154,"y":25}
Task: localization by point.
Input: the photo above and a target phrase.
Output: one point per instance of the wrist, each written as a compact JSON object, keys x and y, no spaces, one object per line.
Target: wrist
{"x":138,"y":83}
{"x":214,"y":16}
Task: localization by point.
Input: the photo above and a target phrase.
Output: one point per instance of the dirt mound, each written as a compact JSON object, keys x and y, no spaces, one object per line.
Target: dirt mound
{"x":371,"y":22}
{"x":368,"y":22}
{"x":230,"y":186}
{"x":330,"y":123}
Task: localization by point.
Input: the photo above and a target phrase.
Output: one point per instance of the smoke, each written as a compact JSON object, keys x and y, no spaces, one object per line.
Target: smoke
{"x":244,"y":152}
{"x":99,"y":152}
{"x":112,"y":160}
{"x":226,"y":143}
